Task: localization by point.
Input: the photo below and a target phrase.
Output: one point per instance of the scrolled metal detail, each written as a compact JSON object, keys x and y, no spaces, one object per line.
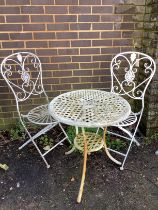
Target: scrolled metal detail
{"x":129,"y":77}
{"x":25,"y":77}
{"x":28,"y":85}
{"x":130,"y":64}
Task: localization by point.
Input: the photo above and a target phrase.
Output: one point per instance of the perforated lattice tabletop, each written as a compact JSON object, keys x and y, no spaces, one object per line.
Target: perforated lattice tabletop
{"x":89,"y":108}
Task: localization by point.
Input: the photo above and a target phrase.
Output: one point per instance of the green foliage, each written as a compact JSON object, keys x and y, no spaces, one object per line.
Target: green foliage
{"x":113,"y":143}
{"x":18,"y":132}
{"x":71,"y":133}
{"x":44,"y":141}
{"x":116,"y":144}
{"x":153,"y":137}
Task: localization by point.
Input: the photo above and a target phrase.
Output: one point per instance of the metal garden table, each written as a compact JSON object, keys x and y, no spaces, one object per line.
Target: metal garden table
{"x":93,"y":109}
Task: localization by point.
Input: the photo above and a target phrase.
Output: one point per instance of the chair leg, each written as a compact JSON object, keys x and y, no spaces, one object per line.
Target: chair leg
{"x":84,"y":169}
{"x":122,"y":167}
{"x":32,"y":138}
{"x":129,"y":134}
{"x":43,"y":131}
{"x":106,"y":149}
{"x":23,"y":145}
{"x":65,"y":133}
{"x":48,"y":166}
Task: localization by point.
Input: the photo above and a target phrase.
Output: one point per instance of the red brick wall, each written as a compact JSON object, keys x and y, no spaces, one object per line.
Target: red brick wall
{"x":75,"y":40}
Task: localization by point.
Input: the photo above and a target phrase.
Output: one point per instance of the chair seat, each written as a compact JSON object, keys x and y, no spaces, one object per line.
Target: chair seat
{"x":94,"y":142}
{"x":132,"y":118}
{"x":40,"y":115}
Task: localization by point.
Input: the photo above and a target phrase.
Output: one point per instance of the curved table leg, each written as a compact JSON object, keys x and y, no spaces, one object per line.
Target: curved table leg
{"x":84,"y":169}
{"x":70,"y":151}
{"x":73,"y":148}
{"x":106,"y":149}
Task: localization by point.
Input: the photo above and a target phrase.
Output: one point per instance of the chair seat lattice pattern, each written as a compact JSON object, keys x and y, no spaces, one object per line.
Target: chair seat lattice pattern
{"x":40,"y":116}
{"x":129,"y":121}
{"x":94,"y":142}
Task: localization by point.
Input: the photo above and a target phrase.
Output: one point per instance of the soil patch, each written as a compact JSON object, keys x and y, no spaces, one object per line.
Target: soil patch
{"x":29,"y":185}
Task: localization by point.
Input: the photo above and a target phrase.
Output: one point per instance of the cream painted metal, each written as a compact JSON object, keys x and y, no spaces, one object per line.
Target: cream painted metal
{"x":131,"y":73}
{"x":23,"y":74}
{"x":89,"y":108}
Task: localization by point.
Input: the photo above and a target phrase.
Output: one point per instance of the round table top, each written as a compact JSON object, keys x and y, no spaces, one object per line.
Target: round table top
{"x":89,"y":108}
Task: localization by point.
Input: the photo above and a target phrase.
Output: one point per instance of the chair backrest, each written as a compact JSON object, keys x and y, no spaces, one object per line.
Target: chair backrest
{"x":23,"y":73}
{"x":131,"y":73}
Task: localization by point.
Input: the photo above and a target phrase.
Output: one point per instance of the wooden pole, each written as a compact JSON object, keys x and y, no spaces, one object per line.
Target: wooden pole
{"x":84,"y":168}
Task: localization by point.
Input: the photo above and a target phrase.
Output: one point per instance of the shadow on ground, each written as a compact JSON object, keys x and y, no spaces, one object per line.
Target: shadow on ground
{"x":29,"y":185}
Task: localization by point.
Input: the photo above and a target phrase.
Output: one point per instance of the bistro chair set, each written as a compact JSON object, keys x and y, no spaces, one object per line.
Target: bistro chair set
{"x":131,"y":73}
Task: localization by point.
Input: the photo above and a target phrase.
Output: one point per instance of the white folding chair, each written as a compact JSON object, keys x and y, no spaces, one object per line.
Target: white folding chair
{"x":23,"y":73}
{"x":131,"y":73}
